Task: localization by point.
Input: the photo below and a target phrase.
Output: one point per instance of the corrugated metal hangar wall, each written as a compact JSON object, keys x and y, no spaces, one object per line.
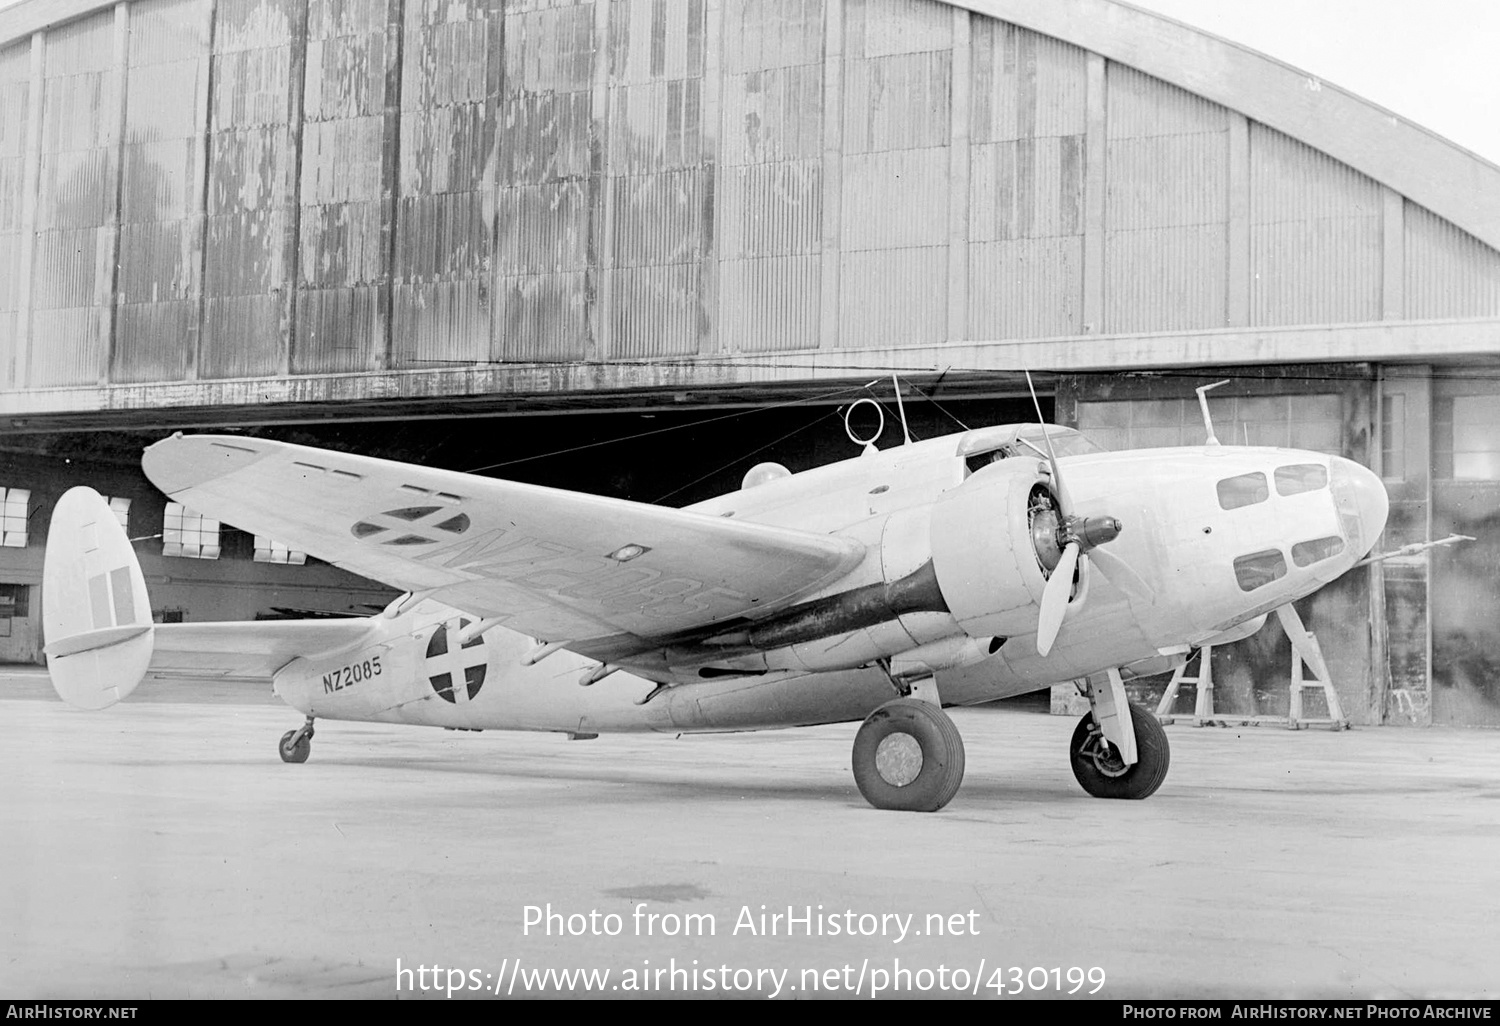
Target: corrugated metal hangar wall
{"x":199,"y":190}
{"x":241,"y":211}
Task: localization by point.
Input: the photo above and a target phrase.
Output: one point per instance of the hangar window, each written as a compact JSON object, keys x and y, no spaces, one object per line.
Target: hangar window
{"x":1244,"y":490}
{"x":1393,"y":436}
{"x":188,"y":534}
{"x":1309,"y":552}
{"x":1259,"y":569}
{"x":13,"y":605}
{"x":1309,"y":421}
{"x":1466,"y":437}
{"x":1301,"y":477}
{"x":13,"y":503}
{"x":268,"y":550}
{"x":120,"y":507}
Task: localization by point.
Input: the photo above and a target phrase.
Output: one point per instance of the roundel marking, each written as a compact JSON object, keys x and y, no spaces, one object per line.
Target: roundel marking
{"x":411,"y":525}
{"x":456,"y":674}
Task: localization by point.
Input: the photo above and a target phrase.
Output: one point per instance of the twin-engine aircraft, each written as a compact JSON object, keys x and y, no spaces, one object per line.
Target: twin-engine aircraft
{"x":951,"y":571}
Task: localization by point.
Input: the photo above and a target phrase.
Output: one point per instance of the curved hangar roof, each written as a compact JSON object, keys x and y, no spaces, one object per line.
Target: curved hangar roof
{"x":225,"y":202}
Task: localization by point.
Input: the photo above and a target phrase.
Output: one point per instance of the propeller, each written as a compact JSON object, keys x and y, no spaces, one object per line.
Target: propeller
{"x":1079,"y":538}
{"x":1055,"y":599}
{"x":1123,"y":576}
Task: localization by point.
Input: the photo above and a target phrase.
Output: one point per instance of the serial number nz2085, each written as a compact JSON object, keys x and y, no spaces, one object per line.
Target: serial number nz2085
{"x":351,"y":675}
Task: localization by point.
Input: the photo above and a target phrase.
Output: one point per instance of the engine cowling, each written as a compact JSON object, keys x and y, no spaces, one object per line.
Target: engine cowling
{"x":990,"y":538}
{"x":974,"y":564}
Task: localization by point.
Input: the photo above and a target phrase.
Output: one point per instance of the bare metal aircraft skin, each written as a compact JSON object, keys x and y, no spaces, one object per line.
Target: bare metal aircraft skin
{"x":952,"y":571}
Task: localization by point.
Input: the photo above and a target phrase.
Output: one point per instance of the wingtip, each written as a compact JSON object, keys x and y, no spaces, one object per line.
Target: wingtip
{"x":181,"y":462}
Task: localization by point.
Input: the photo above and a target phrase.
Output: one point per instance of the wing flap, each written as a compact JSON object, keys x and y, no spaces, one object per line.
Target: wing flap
{"x":546,"y":562}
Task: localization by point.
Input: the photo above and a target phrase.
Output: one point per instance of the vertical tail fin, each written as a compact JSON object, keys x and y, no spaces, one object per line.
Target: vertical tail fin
{"x":95,"y":609}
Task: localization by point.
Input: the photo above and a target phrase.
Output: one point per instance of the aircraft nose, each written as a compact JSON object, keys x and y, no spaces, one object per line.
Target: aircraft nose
{"x":1362,"y":503}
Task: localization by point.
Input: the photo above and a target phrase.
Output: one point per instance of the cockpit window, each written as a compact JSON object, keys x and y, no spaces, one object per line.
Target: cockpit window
{"x":1245,"y":490}
{"x":1259,"y":569}
{"x":1301,"y":477}
{"x":1309,"y":552}
{"x":1065,"y":441}
{"x":980,"y":449}
{"x":983,"y":446}
{"x":984,"y":459}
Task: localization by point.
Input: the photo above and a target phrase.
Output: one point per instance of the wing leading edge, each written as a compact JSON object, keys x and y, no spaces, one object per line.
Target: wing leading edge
{"x":551,"y":563}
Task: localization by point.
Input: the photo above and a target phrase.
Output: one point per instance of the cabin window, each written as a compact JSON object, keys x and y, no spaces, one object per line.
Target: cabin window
{"x":1301,"y":477}
{"x":1309,"y":552}
{"x":1259,"y":569}
{"x":13,"y":502}
{"x":189,"y":534}
{"x":1244,"y":490}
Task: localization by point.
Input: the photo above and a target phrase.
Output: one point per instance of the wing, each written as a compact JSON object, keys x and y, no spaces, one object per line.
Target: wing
{"x":555,"y":564}
{"x":253,"y":650}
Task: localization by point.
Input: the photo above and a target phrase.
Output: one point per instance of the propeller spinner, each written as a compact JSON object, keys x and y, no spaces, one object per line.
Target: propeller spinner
{"x":1071,"y":538}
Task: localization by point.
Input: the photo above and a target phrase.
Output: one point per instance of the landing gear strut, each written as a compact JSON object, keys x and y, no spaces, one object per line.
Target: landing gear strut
{"x":296,"y":745}
{"x":1103,"y":773}
{"x":908,"y":756}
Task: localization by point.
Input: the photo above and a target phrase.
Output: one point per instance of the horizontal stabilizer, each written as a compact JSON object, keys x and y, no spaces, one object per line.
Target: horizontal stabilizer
{"x":88,"y":641}
{"x":95,"y":609}
{"x":249,"y":649}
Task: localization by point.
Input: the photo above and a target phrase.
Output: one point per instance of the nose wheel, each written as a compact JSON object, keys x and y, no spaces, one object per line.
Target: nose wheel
{"x":296,"y":745}
{"x":1103,"y":773}
{"x":908,"y":756}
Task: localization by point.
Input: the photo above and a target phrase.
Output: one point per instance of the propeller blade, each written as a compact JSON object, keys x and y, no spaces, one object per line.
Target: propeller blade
{"x":1064,"y":506}
{"x":1055,"y":599}
{"x":1122,"y":575}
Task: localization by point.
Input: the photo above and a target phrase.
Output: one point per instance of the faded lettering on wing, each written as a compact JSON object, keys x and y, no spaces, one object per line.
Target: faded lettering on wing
{"x":553,"y":568}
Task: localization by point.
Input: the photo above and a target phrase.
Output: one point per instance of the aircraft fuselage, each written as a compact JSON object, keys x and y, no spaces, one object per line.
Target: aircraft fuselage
{"x":1216,"y":536}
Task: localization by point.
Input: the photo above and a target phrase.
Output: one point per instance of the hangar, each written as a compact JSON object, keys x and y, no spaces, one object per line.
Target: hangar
{"x":479,"y":231}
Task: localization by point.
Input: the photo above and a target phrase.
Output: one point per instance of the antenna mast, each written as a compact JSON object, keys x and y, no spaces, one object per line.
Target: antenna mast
{"x":1208,"y":422}
{"x":900,"y":408}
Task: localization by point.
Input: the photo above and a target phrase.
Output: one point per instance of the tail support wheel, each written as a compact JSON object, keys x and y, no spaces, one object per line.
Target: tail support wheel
{"x":1101,"y":771}
{"x":908,"y":756}
{"x":296,"y":745}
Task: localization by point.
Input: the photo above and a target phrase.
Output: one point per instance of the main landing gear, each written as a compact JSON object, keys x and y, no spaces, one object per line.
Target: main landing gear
{"x":908,"y":756}
{"x":296,"y":745}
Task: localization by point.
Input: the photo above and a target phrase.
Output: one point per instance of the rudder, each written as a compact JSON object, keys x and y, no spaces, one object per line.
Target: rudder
{"x":95,"y":609}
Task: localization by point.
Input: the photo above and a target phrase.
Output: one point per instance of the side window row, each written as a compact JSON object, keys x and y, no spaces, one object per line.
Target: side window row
{"x":1294,"y":479}
{"x":1259,"y":569}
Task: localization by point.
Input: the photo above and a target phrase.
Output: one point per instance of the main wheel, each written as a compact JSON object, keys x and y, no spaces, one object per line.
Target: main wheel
{"x":294,"y":748}
{"x":1099,"y":768}
{"x":908,"y":755}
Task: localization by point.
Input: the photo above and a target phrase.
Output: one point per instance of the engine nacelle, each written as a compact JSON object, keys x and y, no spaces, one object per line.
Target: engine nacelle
{"x":987,"y":561}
